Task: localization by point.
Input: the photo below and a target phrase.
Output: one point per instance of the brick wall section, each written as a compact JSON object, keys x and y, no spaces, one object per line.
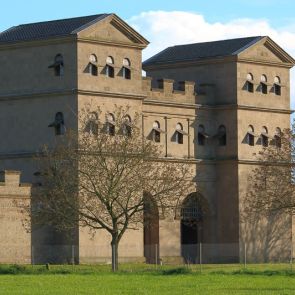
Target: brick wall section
{"x":15,"y":242}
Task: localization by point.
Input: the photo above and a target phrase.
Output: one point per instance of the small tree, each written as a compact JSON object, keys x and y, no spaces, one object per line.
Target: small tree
{"x":271,"y":183}
{"x":96,"y":177}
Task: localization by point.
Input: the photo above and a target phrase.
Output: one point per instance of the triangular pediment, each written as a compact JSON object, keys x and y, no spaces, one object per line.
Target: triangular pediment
{"x":112,"y":29}
{"x":266,"y":50}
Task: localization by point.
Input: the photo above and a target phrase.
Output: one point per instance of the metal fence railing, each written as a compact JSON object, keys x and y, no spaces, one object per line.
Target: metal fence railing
{"x":200,"y":256}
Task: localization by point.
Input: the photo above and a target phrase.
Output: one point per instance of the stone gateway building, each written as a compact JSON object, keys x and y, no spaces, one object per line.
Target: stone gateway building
{"x":209,"y":104}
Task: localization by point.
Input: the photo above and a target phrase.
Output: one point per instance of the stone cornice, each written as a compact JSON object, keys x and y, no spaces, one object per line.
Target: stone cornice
{"x":265,"y":62}
{"x":33,"y":95}
{"x":74,"y":91}
{"x":168,"y":114}
{"x":170,"y":103}
{"x":138,"y":96}
{"x":216,"y":107}
{"x":40,"y":42}
{"x":244,"y":107}
{"x":110,"y":43}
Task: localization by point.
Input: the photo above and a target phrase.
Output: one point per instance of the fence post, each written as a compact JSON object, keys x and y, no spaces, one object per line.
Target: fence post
{"x":32,"y":255}
{"x":156,"y":252}
{"x":200,"y":257}
{"x":73,"y":255}
{"x":245,"y":255}
{"x":291,"y":256}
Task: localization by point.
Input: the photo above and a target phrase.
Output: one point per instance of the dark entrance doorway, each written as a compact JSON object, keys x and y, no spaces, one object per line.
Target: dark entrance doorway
{"x":151,"y":230}
{"x":191,"y":224}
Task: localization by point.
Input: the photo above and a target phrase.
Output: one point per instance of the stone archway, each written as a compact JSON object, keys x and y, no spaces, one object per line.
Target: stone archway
{"x":151,"y":229}
{"x":192,"y":216}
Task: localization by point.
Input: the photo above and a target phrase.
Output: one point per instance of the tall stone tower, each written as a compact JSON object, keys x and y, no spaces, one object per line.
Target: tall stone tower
{"x":247,"y":103}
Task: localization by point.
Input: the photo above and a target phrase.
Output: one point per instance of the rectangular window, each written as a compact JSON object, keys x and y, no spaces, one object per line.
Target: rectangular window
{"x":264,"y":141}
{"x":110,"y":71}
{"x":277,"y":89}
{"x":201,"y":139}
{"x":179,"y":137}
{"x":250,"y":86}
{"x":263,"y":88}
{"x":250,"y":139}
{"x":156,"y":136}
{"x":126,"y":73}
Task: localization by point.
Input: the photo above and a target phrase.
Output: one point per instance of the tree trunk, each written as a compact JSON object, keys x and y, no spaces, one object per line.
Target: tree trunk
{"x":115,"y":244}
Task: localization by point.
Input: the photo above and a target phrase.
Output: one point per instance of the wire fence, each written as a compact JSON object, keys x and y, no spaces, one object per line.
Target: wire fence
{"x":200,"y":257}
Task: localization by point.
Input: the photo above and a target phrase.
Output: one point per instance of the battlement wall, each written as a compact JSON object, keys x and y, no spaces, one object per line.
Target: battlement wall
{"x":178,"y":92}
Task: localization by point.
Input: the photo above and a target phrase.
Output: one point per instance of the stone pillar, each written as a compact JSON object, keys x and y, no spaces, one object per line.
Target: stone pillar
{"x":170,"y":241}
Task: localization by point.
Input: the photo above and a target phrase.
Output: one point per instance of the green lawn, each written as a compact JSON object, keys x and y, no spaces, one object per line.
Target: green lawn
{"x":139,"y":279}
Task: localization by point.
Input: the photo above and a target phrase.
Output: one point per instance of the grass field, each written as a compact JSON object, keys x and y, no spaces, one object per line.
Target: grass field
{"x":141,"y":279}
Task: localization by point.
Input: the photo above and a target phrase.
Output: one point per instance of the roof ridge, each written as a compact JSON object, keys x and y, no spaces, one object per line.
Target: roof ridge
{"x":9,"y":29}
{"x":100,"y":17}
{"x":248,"y":45}
{"x":223,"y":40}
{"x":60,"y":20}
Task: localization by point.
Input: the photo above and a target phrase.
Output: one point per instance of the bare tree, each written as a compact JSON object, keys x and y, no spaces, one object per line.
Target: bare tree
{"x":97,"y":176}
{"x":271,"y":183}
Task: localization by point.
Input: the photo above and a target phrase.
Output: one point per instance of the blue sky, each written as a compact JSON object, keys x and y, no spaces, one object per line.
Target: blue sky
{"x":278,"y":13}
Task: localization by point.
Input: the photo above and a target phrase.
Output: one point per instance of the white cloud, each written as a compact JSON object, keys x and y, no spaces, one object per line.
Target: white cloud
{"x":165,"y":29}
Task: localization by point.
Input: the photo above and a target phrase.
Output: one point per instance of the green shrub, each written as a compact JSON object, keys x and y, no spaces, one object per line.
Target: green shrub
{"x":176,"y":271}
{"x":12,"y":269}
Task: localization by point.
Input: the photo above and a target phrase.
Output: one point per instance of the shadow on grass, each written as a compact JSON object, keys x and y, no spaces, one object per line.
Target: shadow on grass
{"x":256,"y":272}
{"x":132,"y":270}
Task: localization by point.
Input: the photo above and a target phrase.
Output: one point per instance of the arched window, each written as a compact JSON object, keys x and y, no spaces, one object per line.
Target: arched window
{"x":191,"y":208}
{"x":202,"y":135}
{"x":250,"y":135}
{"x":179,"y":133}
{"x":249,"y":83}
{"x":278,"y":138}
{"x":126,"y":69}
{"x":93,"y":65}
{"x":221,"y":135}
{"x":127,"y":128}
{"x":192,"y":216}
{"x":58,"y":65}
{"x":156,"y":132}
{"x":264,"y":137}
{"x":263,"y":84}
{"x":110,"y":124}
{"x":92,"y":124}
{"x":58,"y":124}
{"x":110,"y":70}
{"x":277,"y":85}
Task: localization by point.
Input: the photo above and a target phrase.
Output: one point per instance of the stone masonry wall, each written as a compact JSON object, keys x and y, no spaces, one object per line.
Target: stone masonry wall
{"x":15,"y":242}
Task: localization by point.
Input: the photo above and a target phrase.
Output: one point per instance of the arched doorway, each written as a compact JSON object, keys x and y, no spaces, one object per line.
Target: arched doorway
{"x":151,"y":229}
{"x":191,"y":227}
